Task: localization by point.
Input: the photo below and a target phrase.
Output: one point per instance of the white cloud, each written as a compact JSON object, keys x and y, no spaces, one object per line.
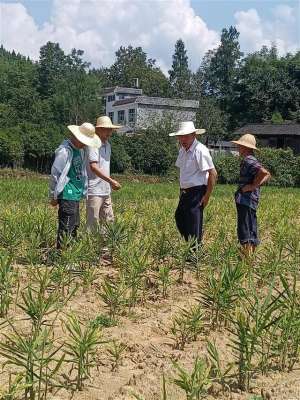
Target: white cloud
{"x":101,"y":27}
{"x":282,"y":30}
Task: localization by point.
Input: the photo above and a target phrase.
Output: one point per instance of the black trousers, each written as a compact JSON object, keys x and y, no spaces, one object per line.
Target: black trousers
{"x":189,"y":214}
{"x":68,"y":220}
{"x":247,"y":225}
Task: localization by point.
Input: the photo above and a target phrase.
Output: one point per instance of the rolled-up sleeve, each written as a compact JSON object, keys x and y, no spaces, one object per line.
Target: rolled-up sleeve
{"x":204,"y":160}
{"x":93,"y":155}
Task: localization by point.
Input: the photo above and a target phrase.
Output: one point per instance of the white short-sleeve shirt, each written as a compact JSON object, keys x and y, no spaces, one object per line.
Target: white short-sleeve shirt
{"x":194,"y":165}
{"x":97,"y":186}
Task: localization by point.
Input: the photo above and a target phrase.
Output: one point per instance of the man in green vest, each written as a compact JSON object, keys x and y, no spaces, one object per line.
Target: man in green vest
{"x":68,"y":182}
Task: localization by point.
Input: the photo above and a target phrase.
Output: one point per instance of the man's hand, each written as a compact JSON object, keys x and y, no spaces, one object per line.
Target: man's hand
{"x":247,"y":188}
{"x":53,"y":203}
{"x":204,"y":201}
{"x":115,"y":185}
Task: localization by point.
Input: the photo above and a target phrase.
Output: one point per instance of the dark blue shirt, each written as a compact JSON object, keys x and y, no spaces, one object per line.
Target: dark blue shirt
{"x":248,"y":171}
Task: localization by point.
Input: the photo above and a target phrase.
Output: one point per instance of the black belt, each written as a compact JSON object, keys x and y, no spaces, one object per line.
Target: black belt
{"x":192,"y":189}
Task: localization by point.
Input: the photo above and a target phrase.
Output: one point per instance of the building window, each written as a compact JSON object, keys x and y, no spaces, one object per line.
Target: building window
{"x":111,"y":98}
{"x":111,"y":116}
{"x":121,"y":116}
{"x":131,"y":115}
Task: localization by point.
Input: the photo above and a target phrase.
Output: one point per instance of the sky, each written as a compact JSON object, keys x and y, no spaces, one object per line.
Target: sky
{"x":100,"y":27}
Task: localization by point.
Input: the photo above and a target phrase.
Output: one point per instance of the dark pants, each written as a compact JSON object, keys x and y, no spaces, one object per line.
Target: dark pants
{"x":189,"y":214}
{"x":68,"y":220}
{"x":247,"y":225}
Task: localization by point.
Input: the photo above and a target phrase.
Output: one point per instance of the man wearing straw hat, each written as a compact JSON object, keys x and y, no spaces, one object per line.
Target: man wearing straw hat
{"x":68,"y":182}
{"x":197,"y":179}
{"x":252,"y":176}
{"x":99,"y":204}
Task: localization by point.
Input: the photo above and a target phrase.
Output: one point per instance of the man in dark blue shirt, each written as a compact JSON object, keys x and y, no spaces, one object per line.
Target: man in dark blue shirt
{"x":252,"y":176}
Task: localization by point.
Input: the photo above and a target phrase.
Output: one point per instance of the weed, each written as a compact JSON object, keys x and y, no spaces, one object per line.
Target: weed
{"x":196,"y":383}
{"x":187,"y":325}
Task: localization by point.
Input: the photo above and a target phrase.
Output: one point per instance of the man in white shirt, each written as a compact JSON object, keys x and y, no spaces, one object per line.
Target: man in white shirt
{"x":99,"y":204}
{"x":197,"y":179}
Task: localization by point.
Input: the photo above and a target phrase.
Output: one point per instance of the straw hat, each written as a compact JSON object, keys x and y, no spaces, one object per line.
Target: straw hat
{"x":85,"y":133}
{"x":246,"y":140}
{"x":105,"y":122}
{"x":185,"y":128}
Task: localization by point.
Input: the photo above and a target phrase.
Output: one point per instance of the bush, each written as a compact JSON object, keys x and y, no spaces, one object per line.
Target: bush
{"x":228,"y":167}
{"x":283,"y":165}
{"x":11,"y":148}
{"x":120,"y":160}
{"x":153,"y":151}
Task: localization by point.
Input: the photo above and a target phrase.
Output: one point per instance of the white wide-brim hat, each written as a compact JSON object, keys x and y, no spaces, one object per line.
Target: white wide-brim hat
{"x":187,"y":127}
{"x":105,"y":122}
{"x":85,"y":133}
{"x":246,"y":140}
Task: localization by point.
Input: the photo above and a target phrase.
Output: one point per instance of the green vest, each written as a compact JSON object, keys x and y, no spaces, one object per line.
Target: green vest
{"x":75,"y":187}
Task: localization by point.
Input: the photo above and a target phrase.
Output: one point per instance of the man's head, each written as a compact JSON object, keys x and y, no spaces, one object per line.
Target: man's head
{"x":76,"y":142}
{"x":186,"y":133}
{"x":104,"y":128}
{"x":186,"y":140}
{"x":84,"y":135}
{"x":104,"y":133}
{"x":246,"y":144}
{"x":244,"y":151}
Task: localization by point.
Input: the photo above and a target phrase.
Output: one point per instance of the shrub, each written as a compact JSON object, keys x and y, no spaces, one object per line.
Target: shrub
{"x":228,"y":168}
{"x":283,"y":165}
{"x":11,"y":148}
{"x":120,"y":160}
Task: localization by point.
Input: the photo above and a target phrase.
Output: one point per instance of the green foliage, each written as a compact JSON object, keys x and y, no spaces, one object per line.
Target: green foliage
{"x":133,"y":63}
{"x":11,"y":148}
{"x":228,"y":167}
{"x":196,"y":383}
{"x":180,"y":75}
{"x":116,"y":350}
{"x":277,"y":118}
{"x":212,"y":119}
{"x":220,"y":293}
{"x":8,"y":279}
{"x":282,"y":164}
{"x":221,"y":68}
{"x":81,"y":347}
{"x":153,"y":151}
{"x":120,"y":159}
{"x":187,"y":325}
{"x":36,"y":357}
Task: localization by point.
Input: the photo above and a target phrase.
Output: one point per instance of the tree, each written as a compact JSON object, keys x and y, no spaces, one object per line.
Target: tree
{"x":266,"y":84}
{"x":212,"y":119}
{"x":220,"y":67}
{"x":52,"y":65}
{"x":180,"y":75}
{"x":77,"y":95}
{"x":133,"y":63}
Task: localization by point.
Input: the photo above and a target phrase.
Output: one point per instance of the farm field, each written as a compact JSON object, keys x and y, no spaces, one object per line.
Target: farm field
{"x":131,"y":316}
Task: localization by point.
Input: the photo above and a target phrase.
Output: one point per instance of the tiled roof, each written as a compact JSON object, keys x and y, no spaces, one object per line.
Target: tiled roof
{"x":125,"y":101}
{"x":158,"y":101}
{"x":120,"y":89}
{"x":291,"y":129}
{"x":162,"y":101}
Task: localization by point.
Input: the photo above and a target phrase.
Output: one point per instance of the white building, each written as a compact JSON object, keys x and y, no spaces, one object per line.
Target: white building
{"x":128,"y":107}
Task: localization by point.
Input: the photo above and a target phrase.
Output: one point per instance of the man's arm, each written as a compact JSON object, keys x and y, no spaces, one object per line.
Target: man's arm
{"x":59,"y":164}
{"x":212,"y":178}
{"x":261,"y":177}
{"x":97,"y":171}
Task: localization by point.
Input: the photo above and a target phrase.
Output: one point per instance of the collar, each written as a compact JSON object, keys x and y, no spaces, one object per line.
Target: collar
{"x":192,"y":147}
